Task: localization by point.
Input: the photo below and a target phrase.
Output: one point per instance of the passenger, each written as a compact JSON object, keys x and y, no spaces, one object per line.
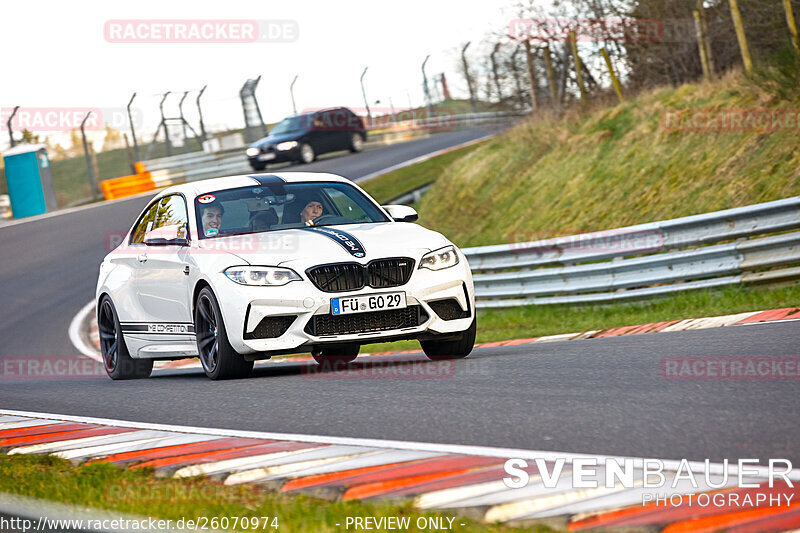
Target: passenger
{"x":212,"y":219}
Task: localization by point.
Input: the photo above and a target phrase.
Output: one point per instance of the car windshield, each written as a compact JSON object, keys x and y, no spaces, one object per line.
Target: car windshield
{"x":279,"y":206}
{"x":287,"y":125}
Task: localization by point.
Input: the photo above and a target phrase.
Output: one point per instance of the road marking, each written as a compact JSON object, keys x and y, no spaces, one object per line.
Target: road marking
{"x":75,"y":333}
{"x":462,"y":449}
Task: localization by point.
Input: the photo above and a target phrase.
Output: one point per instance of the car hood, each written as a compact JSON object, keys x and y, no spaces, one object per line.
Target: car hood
{"x":302,"y":248}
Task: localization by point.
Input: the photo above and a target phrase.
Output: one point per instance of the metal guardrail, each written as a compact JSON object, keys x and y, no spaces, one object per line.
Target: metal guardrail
{"x":196,"y":166}
{"x":643,"y":260}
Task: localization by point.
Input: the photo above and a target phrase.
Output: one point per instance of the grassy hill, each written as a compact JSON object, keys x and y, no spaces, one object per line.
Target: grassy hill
{"x":617,"y":165}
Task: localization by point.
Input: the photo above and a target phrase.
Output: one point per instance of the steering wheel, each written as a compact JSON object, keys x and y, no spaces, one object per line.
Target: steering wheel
{"x":323,"y":218}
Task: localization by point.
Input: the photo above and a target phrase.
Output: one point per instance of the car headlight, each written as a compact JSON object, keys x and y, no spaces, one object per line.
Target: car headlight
{"x":439,"y":259}
{"x":252,"y":152}
{"x":288,"y":145}
{"x":261,"y":275}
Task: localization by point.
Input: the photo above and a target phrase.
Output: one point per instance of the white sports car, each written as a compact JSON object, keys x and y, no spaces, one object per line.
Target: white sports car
{"x":241,"y":268}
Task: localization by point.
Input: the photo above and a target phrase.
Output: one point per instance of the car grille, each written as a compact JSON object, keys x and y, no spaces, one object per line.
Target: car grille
{"x":323,"y":325}
{"x":337,"y":278}
{"x":378,"y":274}
{"x":270,"y":327}
{"x":448,"y":309}
{"x":383,"y":273}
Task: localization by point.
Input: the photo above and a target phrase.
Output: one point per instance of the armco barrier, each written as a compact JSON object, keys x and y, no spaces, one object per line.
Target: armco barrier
{"x":128,"y":185}
{"x":196,"y":166}
{"x":643,"y":260}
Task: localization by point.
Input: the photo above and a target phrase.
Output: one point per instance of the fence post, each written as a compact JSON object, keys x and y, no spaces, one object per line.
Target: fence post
{"x":133,"y":130}
{"x":10,"y":127}
{"x":578,"y":67}
{"x":706,"y":37}
{"x":531,"y":75}
{"x":551,"y":76}
{"x":736,"y":15}
{"x":200,"y":114}
{"x":90,"y":164}
{"x":787,"y":6}
{"x":469,"y":78}
{"x":614,"y":80}
{"x":701,"y":44}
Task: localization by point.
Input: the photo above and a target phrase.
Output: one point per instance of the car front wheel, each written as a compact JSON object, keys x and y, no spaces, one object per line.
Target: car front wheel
{"x":457,"y":348}
{"x":219,"y":359}
{"x":307,"y":154}
{"x":116,"y":359}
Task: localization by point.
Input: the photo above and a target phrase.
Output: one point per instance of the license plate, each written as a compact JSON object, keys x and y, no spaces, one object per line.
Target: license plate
{"x":266,"y":157}
{"x":367,"y":303}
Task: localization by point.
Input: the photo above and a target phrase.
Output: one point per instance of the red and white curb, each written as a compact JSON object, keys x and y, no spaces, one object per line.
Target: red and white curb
{"x":465,"y":479}
{"x":84,"y":335}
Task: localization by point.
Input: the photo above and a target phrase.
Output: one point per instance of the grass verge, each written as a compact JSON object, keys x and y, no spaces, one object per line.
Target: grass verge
{"x":536,"y":321}
{"x":108,"y":487}
{"x":388,"y":186}
{"x":616,"y":166}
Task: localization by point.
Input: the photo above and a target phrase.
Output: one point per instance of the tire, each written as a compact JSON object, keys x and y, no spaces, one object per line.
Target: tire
{"x":219,"y":359}
{"x":338,"y":354}
{"x":356,"y":143}
{"x":258,"y":166}
{"x":451,"y":349}
{"x":307,"y":154}
{"x":117,"y":360}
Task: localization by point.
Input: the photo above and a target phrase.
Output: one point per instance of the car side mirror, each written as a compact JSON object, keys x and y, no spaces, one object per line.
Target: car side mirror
{"x":401,"y":213}
{"x":174,"y":235}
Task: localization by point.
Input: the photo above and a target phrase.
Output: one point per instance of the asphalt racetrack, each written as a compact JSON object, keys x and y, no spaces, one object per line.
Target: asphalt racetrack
{"x":598,"y":396}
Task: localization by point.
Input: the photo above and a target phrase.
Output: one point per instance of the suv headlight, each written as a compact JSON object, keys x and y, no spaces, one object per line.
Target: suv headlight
{"x":288,"y":145}
{"x":439,"y":259}
{"x":252,"y":152}
{"x":261,"y":275}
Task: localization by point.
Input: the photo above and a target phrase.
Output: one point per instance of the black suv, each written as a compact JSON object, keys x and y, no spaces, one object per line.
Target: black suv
{"x":303,"y":137}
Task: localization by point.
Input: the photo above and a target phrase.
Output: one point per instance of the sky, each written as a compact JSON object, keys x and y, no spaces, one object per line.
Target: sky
{"x":56,"y":55}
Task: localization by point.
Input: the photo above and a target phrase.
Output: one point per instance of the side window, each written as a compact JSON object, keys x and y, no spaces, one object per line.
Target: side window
{"x":144,"y":224}
{"x":172,"y":212}
{"x":347,"y":206}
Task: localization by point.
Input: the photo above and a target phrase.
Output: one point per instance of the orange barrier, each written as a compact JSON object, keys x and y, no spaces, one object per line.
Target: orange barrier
{"x":128,"y":185}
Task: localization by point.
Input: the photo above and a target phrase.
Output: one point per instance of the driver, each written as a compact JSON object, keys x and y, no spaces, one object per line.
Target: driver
{"x":311,"y":211}
{"x":212,"y":218}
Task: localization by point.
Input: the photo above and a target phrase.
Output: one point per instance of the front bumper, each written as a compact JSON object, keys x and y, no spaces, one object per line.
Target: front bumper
{"x":279,"y":156}
{"x":243,"y":309}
